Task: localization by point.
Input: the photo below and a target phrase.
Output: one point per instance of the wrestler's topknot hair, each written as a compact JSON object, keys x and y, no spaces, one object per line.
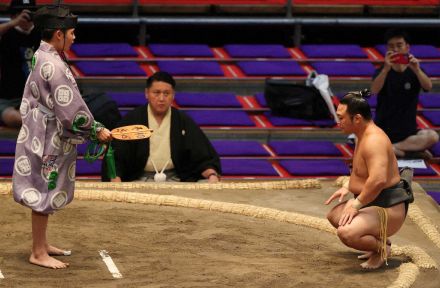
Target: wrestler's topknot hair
{"x":357,"y":104}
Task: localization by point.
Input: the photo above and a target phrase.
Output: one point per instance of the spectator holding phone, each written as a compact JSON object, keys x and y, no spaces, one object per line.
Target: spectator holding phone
{"x":397,"y":84}
{"x":19,"y":40}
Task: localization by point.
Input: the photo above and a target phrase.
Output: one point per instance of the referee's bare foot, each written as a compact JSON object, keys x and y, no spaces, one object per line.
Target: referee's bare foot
{"x":54,"y":251}
{"x":45,"y":260}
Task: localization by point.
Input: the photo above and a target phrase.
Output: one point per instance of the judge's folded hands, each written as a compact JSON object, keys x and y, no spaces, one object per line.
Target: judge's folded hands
{"x":104,"y":135}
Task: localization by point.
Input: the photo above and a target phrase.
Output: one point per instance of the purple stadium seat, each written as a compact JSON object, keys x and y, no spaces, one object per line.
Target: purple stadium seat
{"x":256,"y":51}
{"x":435,"y":150}
{"x":7,"y":146}
{"x":304,"y":148}
{"x":198,"y":99}
{"x":104,"y":50}
{"x":324,"y":123}
{"x":271,"y":68}
{"x":191,"y":68}
{"x":261,"y":99}
{"x":428,"y":171}
{"x":128,"y":99}
{"x":180,"y":50}
{"x":308,"y":167}
{"x":435,"y":195}
{"x":373,"y":101}
{"x":432,"y":116}
{"x":333,"y":51}
{"x":431,"y":69}
{"x":81,"y":148}
{"x":247,"y":167}
{"x":220,"y":118}
{"x":284,"y":121}
{"x":110,"y":68}
{"x":6,"y":166}
{"x":419,"y":51}
{"x":429,"y":100}
{"x":344,"y":68}
{"x":239,"y":148}
{"x":85,"y":168}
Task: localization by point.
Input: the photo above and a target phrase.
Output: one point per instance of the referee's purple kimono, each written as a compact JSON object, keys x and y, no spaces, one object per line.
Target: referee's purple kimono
{"x":55,"y":119}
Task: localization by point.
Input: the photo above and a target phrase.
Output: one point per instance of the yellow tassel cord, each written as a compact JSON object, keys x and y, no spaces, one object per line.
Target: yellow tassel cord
{"x":382,"y":247}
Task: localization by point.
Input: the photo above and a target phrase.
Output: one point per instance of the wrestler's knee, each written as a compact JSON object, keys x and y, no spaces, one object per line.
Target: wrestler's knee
{"x":345,"y":233}
{"x":333,"y":218}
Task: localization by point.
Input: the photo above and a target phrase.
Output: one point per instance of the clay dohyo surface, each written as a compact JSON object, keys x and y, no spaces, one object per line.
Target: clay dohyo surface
{"x":159,"y":246}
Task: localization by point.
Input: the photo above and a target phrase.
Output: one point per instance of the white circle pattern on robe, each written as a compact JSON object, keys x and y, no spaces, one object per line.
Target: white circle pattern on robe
{"x":67,"y":148}
{"x":58,"y":200}
{"x":60,"y":127}
{"x":63,"y":95}
{"x":35,"y":114}
{"x":23,"y":166}
{"x":24,"y":108}
{"x":56,"y":141}
{"x":49,"y":101}
{"x":69,"y":76}
{"x":71,"y":171}
{"x":47,"y":71}
{"x":23,"y":135}
{"x":31,"y":197}
{"x":35,"y":145}
{"x":44,"y":121}
{"x":85,"y":115}
{"x":34,"y":90}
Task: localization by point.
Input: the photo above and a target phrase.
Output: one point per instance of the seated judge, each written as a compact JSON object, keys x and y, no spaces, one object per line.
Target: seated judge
{"x":178,"y":150}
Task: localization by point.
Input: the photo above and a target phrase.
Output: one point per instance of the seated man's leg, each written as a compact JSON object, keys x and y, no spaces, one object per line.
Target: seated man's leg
{"x":11,"y":117}
{"x":363,"y":232}
{"x":421,"y":141}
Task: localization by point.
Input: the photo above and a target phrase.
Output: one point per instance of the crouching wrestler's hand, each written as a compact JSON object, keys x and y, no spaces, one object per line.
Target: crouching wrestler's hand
{"x":348,"y":213}
{"x":338,"y":194}
{"x":104,"y":135}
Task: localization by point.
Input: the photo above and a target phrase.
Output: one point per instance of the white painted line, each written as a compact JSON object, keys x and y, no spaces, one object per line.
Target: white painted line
{"x":260,"y":121}
{"x":232,"y":71}
{"x":110,"y":264}
{"x":248,"y":102}
{"x":277,"y":170}
{"x":297,"y":55}
{"x":372,"y":54}
{"x":1,"y":275}
{"x":143,"y":54}
{"x":218,"y":53}
{"x":269,"y":150}
{"x":346,"y":150}
{"x":308,"y":69}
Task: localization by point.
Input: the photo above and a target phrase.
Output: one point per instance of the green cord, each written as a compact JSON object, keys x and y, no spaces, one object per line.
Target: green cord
{"x":95,"y":150}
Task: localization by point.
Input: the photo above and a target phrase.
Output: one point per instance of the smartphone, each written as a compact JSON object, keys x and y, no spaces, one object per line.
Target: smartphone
{"x":401,"y":58}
